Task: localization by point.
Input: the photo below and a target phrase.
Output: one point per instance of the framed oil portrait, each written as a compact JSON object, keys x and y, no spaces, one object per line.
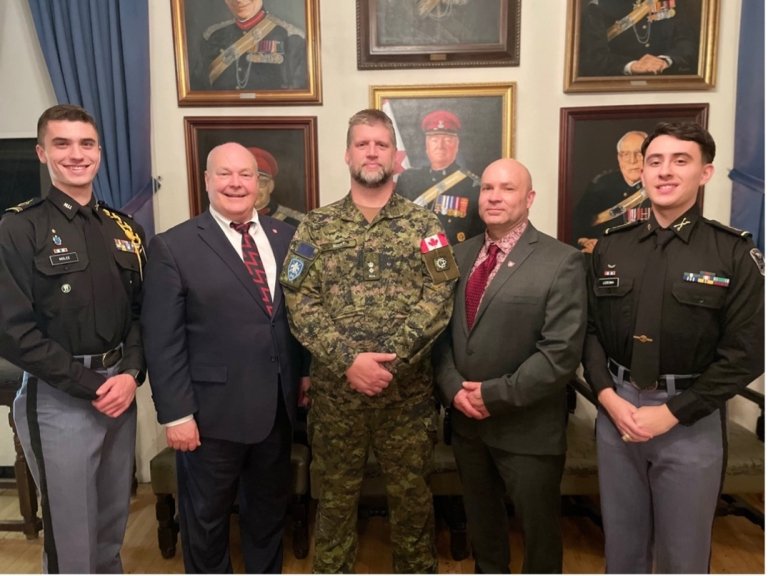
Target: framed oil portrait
{"x":600,"y":166}
{"x":251,"y":52}
{"x":286,"y":152}
{"x":641,"y":45}
{"x":446,"y":136}
{"x":437,"y":33}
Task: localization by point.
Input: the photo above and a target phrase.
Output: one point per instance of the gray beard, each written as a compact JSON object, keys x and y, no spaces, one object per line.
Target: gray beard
{"x":371,"y":180}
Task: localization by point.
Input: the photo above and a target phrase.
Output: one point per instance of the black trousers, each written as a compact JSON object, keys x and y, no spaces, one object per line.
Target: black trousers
{"x":533,"y":484}
{"x":212,"y":477}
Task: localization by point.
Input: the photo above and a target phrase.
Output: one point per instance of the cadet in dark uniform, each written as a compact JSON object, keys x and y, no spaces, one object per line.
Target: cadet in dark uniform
{"x":612,"y":196}
{"x":629,"y":37}
{"x":675,"y":330}
{"x":265,"y":202}
{"x":444,"y":187}
{"x":70,"y":275}
{"x":254,"y":51}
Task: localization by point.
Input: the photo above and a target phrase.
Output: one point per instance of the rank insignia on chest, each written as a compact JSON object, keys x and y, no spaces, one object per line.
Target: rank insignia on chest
{"x":371,"y":267}
{"x":123,"y":245}
{"x":708,"y":278}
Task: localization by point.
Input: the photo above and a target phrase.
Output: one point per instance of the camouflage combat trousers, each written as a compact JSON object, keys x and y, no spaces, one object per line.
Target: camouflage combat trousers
{"x":402,"y":439}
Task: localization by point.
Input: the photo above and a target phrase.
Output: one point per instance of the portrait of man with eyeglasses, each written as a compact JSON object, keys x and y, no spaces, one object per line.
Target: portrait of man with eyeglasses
{"x":612,"y":197}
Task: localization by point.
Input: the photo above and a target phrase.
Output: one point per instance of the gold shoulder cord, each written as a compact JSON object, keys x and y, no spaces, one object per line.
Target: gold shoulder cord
{"x":131,"y":235}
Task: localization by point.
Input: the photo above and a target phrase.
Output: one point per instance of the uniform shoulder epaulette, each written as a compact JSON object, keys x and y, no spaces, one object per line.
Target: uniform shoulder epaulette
{"x":290,"y":28}
{"x":475,"y":178}
{"x":622,"y":227}
{"x":216,"y":27}
{"x":735,"y":231}
{"x":24,"y":205}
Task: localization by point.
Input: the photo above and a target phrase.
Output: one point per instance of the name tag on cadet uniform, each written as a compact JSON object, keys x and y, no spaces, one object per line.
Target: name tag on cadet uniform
{"x":438,"y":257}
{"x":68,"y":258}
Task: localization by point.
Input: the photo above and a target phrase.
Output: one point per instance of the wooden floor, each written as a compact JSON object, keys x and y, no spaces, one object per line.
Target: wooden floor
{"x":739,"y":545}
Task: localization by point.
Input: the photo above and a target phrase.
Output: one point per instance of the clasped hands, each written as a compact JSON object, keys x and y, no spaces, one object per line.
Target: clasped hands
{"x":636,"y":424}
{"x":469,"y":401}
{"x":368,"y":375}
{"x":649,"y":64}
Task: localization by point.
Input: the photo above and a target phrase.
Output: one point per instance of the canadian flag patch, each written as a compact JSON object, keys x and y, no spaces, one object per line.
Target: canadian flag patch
{"x":433,"y":242}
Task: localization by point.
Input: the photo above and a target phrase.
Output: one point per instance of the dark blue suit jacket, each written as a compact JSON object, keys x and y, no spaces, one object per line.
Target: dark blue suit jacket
{"x":212,"y":350}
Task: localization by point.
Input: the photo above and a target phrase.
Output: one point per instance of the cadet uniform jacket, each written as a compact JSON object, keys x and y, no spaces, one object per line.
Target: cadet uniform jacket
{"x":48,"y":313}
{"x":712,"y":315}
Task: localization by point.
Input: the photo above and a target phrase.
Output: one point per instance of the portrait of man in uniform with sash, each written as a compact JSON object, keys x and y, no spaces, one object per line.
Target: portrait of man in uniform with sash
{"x":247,"y":45}
{"x":446,"y":136}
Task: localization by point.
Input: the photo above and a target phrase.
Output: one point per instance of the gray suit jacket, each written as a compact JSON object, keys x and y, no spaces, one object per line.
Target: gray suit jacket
{"x":524,"y":346}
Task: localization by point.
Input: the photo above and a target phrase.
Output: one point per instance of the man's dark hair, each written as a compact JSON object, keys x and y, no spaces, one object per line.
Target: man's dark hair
{"x":369,"y":117}
{"x":690,"y":131}
{"x":66,"y":112}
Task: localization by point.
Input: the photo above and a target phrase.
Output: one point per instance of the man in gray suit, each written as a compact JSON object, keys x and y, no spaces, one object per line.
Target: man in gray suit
{"x":502,"y":366}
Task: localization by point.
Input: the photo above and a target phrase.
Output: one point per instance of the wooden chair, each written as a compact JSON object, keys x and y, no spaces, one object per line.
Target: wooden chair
{"x":30,"y":524}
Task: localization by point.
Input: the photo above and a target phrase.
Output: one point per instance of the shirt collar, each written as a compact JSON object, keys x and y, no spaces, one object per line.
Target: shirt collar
{"x":65,"y":203}
{"x":509,"y":240}
{"x":394,"y":208}
{"x":224,"y":222}
{"x":682,"y":227}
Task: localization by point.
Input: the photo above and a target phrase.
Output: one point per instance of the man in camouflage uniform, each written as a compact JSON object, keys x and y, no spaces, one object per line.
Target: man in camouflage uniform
{"x":369,"y":284}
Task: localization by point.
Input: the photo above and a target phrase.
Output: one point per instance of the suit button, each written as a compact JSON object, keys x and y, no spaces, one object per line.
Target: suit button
{"x":273,"y":358}
{"x":470,"y":351}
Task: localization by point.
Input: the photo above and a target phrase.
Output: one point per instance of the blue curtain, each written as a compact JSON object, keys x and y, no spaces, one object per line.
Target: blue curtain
{"x":97,"y":53}
{"x":748,"y":174}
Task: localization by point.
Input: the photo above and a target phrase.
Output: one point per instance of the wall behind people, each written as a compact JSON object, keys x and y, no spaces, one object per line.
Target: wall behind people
{"x":540,"y":96}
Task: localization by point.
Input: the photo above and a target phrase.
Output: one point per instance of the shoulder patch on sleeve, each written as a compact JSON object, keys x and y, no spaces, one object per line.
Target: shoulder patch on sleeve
{"x":24,"y":205}
{"x":300,"y":259}
{"x":731,"y":230}
{"x":440,"y":264}
{"x":622,"y":227}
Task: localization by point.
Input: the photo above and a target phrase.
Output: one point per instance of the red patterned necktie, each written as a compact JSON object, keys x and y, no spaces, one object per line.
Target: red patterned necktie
{"x":253,"y":264}
{"x":477,"y":281}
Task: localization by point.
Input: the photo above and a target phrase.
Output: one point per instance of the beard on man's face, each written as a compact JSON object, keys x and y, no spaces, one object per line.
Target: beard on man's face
{"x":371,"y":178}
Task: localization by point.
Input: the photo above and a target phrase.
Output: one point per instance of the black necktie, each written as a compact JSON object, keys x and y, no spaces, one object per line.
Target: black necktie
{"x":253,"y":263}
{"x":647,"y":335}
{"x":100,"y":263}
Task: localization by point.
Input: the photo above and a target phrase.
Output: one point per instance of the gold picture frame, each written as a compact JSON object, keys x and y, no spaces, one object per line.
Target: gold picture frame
{"x":278,"y":63}
{"x":602,"y":40}
{"x":427,"y":34}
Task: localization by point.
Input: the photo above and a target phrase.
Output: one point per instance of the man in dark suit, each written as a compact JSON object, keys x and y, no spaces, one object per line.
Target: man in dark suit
{"x":225,"y":369}
{"x":502,"y":366}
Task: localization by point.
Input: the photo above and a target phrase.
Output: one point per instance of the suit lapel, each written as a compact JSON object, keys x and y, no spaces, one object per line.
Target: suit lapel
{"x":509,"y":267}
{"x":212,"y":235}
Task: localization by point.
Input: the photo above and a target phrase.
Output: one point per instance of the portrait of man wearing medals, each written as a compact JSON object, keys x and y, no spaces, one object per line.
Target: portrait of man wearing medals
{"x":253,"y":50}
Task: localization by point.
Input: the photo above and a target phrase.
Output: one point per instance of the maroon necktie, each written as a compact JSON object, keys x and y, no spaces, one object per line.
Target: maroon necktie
{"x":253,"y":264}
{"x":477,"y":281}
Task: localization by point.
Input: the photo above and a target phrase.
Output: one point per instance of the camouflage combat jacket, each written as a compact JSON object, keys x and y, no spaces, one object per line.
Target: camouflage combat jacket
{"x":352,"y":286}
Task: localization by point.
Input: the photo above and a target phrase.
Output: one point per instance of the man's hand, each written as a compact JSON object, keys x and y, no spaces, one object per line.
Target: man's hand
{"x":304,"y":385}
{"x":622,"y":414}
{"x":462,"y":404}
{"x":657,"y":420}
{"x":587,"y":245}
{"x":475,"y":397}
{"x":184,"y":437}
{"x":649,"y":64}
{"x":367,"y":374}
{"x":115,"y":395}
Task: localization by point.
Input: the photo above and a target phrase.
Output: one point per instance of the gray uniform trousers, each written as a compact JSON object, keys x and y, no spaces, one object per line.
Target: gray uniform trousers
{"x":82,"y":462}
{"x":658,"y":498}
